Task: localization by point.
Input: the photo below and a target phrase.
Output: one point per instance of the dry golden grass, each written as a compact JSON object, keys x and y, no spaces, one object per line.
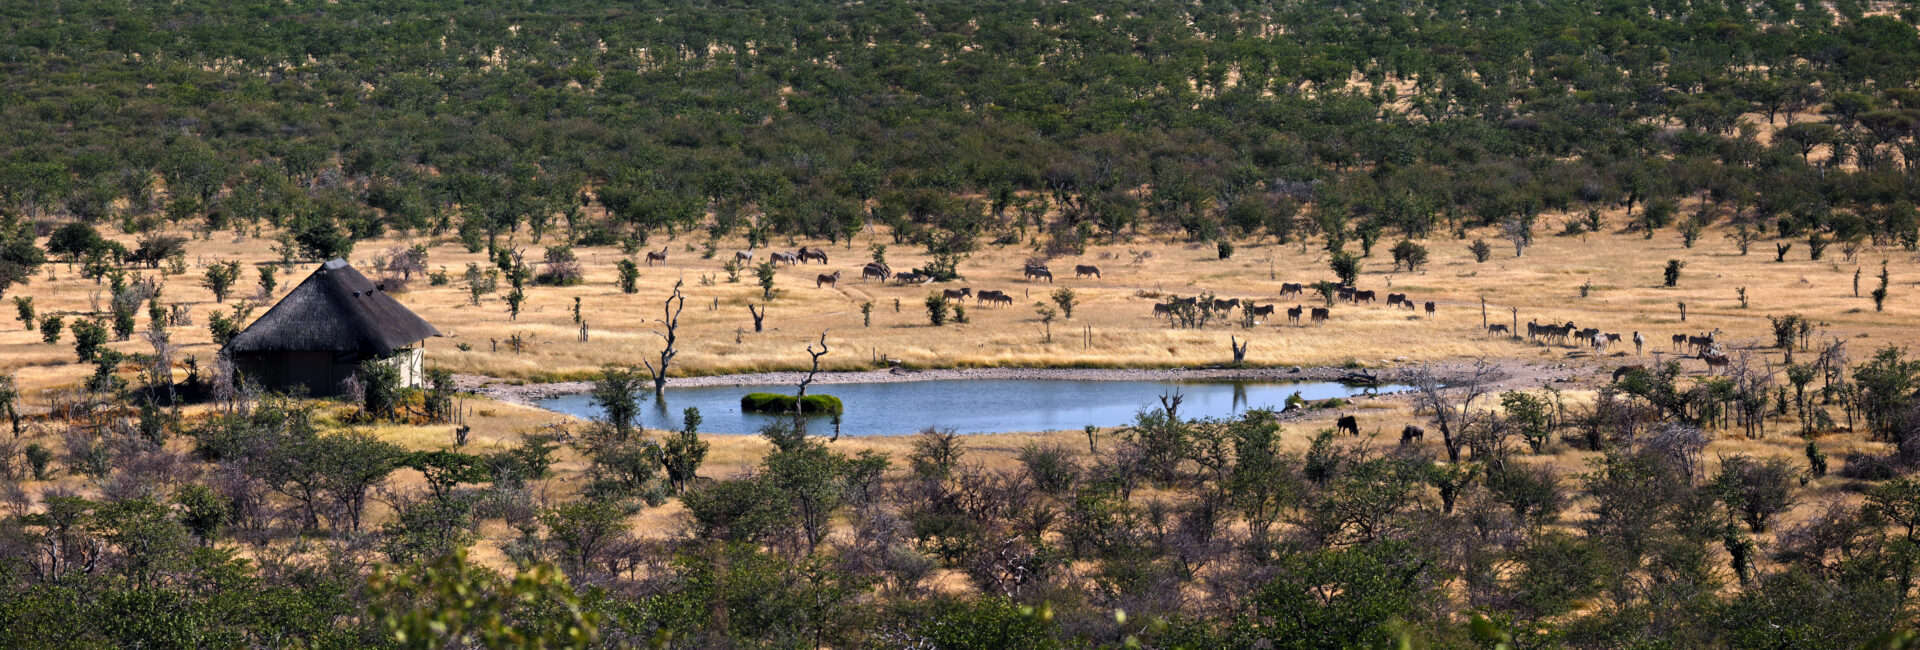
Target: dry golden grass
{"x":1623,"y":268}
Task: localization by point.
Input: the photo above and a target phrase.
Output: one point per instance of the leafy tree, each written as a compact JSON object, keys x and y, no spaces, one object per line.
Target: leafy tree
{"x":937,"y":307}
{"x":683,"y":452}
{"x":1753,"y":489}
{"x":629,"y":277}
{"x":1346,"y":267}
{"x":616,"y":393}
{"x":1410,"y":254}
{"x":1066,"y":300}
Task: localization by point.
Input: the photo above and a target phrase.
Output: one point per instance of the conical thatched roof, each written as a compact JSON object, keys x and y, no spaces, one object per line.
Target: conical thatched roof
{"x":336,"y":310}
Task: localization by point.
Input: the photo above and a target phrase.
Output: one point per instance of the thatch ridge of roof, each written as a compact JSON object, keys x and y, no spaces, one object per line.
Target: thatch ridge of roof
{"x":336,"y":309}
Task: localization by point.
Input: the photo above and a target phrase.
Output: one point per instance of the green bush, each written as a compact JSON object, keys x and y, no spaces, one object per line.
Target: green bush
{"x":778,"y":403}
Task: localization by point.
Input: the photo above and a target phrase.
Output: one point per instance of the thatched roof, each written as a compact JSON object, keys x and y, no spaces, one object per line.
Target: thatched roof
{"x":335,"y":310}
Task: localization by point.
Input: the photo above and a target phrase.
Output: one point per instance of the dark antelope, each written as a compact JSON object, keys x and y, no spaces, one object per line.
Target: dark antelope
{"x":1347,"y":424}
{"x":1412,"y":433}
{"x":1320,"y":314}
{"x":1083,"y":270}
{"x":1293,"y":314}
{"x":1429,"y":309}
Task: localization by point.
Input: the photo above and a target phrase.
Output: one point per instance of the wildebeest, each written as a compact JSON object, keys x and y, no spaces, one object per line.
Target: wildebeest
{"x":777,"y":258}
{"x":743,"y":257}
{"x":829,"y":279}
{"x":1397,"y":298}
{"x":1347,"y":424}
{"x":994,"y":296}
{"x":957,"y":294}
{"x":657,"y":256}
{"x":1363,"y":296}
{"x":1320,"y":314}
{"x":1033,"y":272}
{"x":1622,"y":371}
{"x":1083,"y":270}
{"x":1412,"y":433}
{"x":812,"y":254}
{"x":1497,"y":328}
{"x":1429,"y":309}
{"x":1291,"y":289}
{"x":1293,"y":314}
{"x":875,"y":270}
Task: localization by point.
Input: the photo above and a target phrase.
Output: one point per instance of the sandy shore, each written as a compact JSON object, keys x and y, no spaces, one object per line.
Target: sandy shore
{"x":1511,"y":374}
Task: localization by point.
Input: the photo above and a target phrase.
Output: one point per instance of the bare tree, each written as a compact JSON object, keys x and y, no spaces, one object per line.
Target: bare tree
{"x":800,"y":398}
{"x":1451,"y":404}
{"x":670,"y":321}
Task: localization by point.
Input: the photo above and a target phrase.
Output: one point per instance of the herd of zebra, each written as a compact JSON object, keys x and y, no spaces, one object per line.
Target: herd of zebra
{"x":1181,"y":310}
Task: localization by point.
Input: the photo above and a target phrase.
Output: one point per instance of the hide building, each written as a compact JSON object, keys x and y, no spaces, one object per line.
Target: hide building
{"x":318,"y":335}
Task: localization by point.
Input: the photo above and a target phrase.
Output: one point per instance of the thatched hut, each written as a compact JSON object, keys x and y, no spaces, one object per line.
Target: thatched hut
{"x":318,"y":335}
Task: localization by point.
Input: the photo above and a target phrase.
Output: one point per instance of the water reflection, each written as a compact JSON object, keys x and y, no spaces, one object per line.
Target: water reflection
{"x":973,"y":405}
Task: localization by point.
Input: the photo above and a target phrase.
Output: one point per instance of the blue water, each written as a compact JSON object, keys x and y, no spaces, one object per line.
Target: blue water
{"x":969,"y":405}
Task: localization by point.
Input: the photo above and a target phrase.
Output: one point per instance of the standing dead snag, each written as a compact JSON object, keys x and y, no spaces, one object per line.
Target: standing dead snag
{"x":670,"y":320}
{"x":759,"y":316}
{"x":1239,"y":349}
{"x":800,"y":398}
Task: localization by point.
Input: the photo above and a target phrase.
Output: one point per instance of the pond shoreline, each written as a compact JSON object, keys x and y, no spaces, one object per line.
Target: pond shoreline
{"x":1511,"y":373}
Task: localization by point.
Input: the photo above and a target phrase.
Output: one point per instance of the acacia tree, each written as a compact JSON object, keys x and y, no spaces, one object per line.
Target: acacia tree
{"x":669,"y":332}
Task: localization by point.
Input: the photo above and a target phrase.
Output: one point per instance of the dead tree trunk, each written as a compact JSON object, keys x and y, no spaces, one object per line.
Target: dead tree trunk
{"x":670,"y":322}
{"x":1239,"y":349}
{"x":759,"y":317}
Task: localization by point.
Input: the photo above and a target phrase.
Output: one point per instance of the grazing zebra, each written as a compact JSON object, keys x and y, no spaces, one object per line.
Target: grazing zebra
{"x":743,"y":257}
{"x":829,"y":279}
{"x":1083,"y":270}
{"x":875,"y":270}
{"x":993,"y":296}
{"x":812,"y":254}
{"x":1033,"y":272}
{"x":1397,"y":298}
{"x":778,"y":258}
